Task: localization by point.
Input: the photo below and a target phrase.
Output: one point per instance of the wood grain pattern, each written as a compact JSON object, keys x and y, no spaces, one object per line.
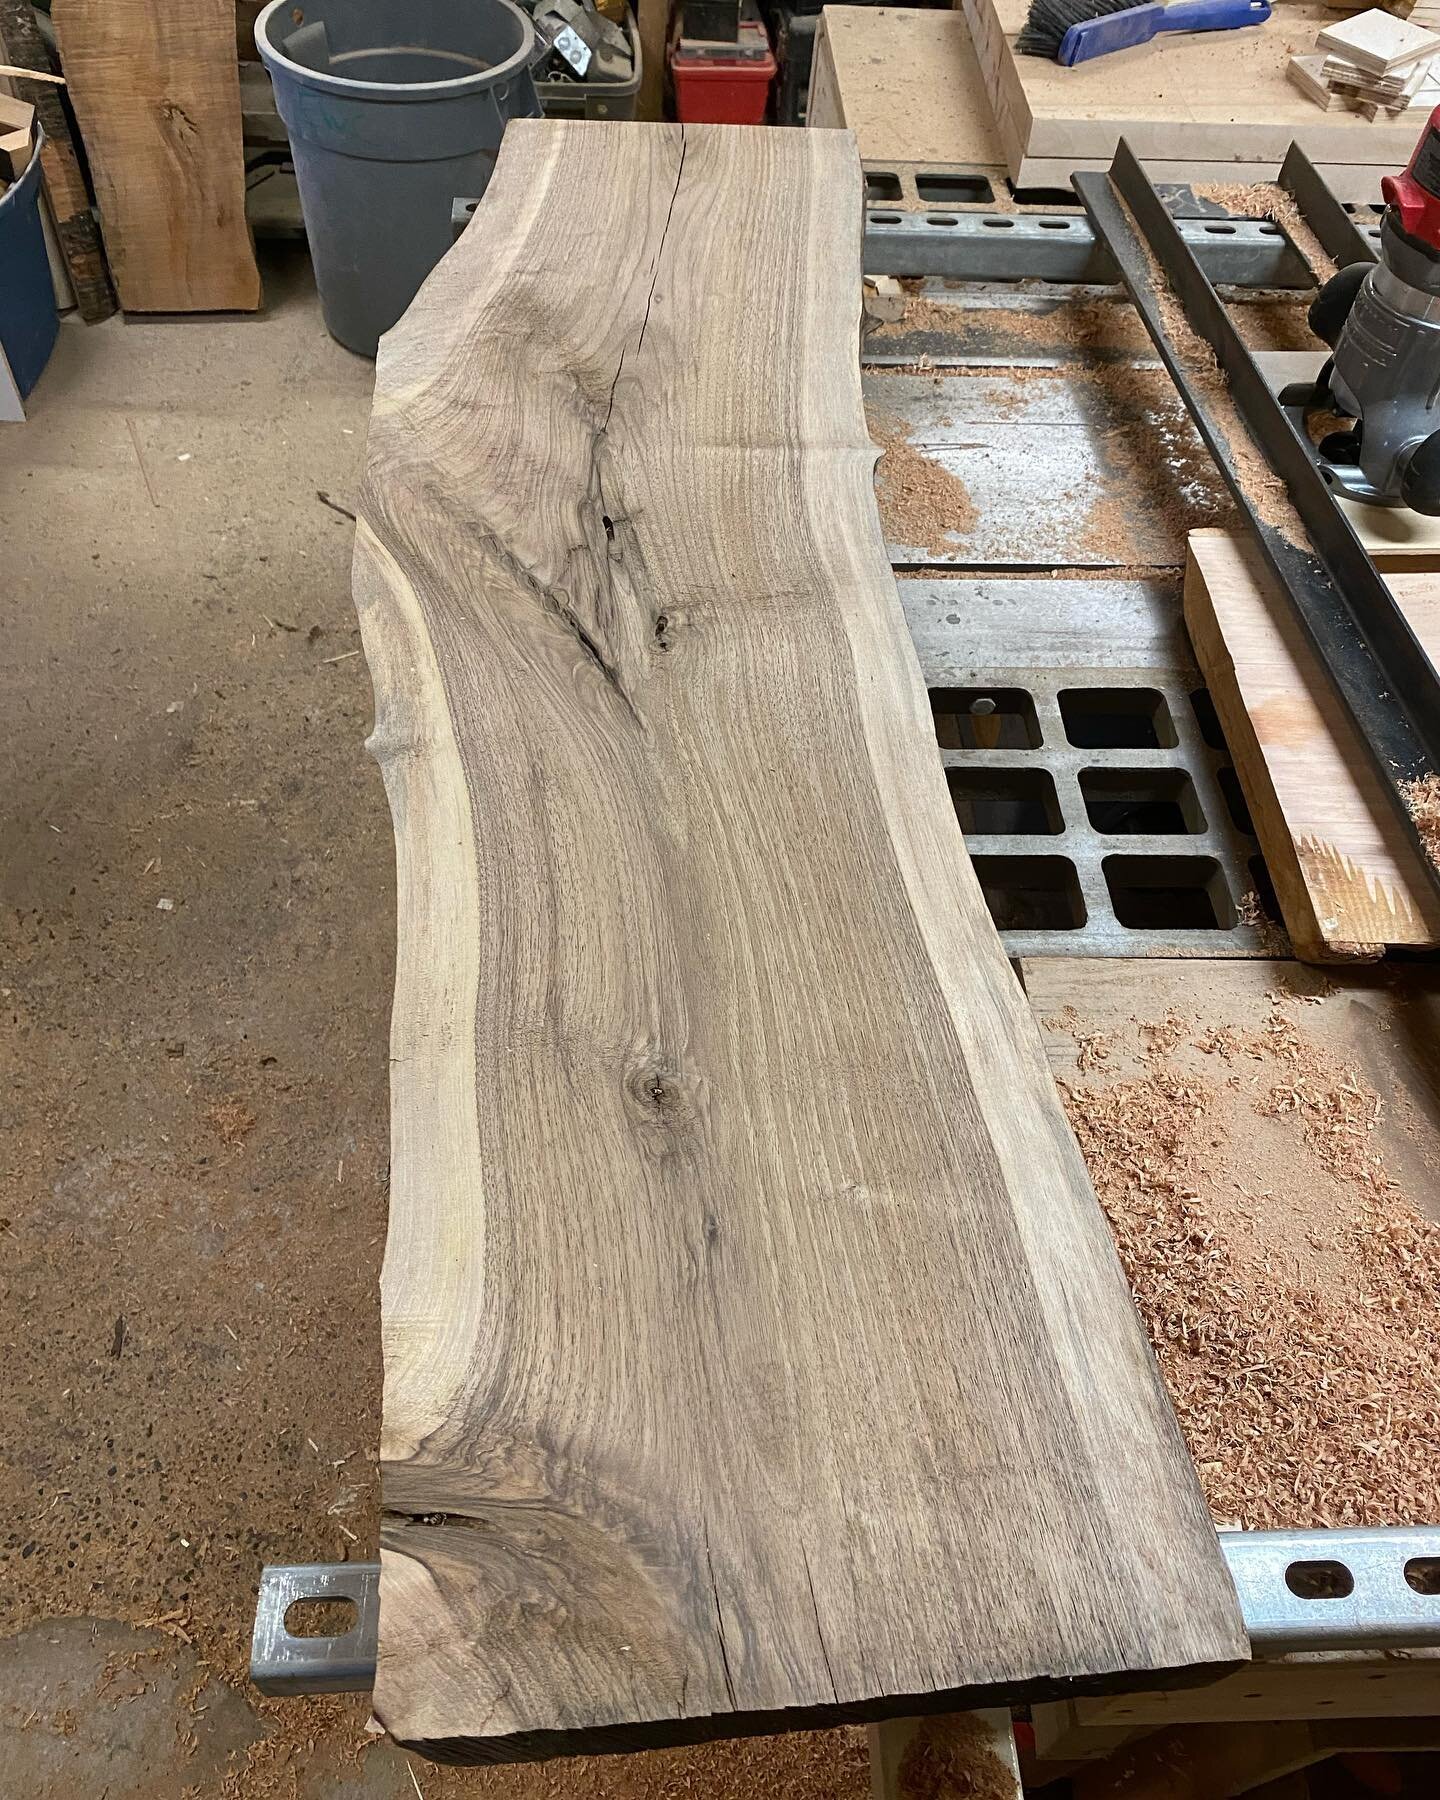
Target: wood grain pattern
{"x":1345,"y":872}
{"x":157,"y":95}
{"x":756,"y":1352}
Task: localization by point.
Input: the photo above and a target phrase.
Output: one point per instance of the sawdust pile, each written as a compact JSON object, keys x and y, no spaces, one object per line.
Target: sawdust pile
{"x":1295,"y":1318}
{"x":1268,"y":200}
{"x":921,"y":503}
{"x":951,"y":1758}
{"x":1422,"y":797}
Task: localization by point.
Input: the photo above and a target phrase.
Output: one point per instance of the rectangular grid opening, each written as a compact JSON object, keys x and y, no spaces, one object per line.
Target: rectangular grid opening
{"x":1207,"y":718}
{"x":1117,"y":718}
{"x":953,"y":190}
{"x":985,"y":719}
{"x":1031,"y":893}
{"x":1230,"y":787}
{"x":882,"y":184}
{"x":1005,"y":802}
{"x":1169,"y":893}
{"x":1135,"y":801}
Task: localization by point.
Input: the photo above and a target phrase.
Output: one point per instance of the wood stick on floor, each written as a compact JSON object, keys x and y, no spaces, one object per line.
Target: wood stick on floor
{"x":756,"y":1352}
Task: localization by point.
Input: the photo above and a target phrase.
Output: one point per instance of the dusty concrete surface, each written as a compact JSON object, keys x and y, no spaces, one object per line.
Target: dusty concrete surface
{"x":196,"y":930}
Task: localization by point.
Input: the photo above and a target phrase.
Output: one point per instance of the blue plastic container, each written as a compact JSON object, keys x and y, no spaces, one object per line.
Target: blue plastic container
{"x":29,"y":321}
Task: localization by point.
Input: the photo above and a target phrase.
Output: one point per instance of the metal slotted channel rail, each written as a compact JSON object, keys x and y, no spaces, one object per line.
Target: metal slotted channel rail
{"x":1299,"y":1591}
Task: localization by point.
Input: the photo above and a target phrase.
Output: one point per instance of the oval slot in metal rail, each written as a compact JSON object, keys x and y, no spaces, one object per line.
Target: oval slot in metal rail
{"x":1299,"y":1590}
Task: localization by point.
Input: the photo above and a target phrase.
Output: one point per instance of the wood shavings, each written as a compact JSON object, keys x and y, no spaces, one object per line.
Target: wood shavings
{"x":1268,"y":200}
{"x":921,"y":502}
{"x":1422,"y":798}
{"x":231,"y":1120}
{"x":1289,"y":1290}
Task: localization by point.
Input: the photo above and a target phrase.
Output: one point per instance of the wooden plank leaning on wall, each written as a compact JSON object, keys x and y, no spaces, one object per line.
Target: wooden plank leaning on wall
{"x":756,"y":1352}
{"x":157,"y":94}
{"x":75,"y":225}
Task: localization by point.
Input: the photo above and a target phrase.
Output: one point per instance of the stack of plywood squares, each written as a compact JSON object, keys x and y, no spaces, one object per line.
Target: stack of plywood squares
{"x":1371,"y":63}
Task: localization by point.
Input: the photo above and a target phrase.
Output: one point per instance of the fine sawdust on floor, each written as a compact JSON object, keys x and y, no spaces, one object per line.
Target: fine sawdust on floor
{"x":921,"y":502}
{"x":1290,"y":1290}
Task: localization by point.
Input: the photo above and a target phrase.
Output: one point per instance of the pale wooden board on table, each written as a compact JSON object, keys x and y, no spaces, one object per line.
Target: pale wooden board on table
{"x":157,"y":94}
{"x":743,"y":1279}
{"x":1380,"y":1019}
{"x":1377,"y":42}
{"x":1382,"y":1022}
{"x":1347,"y":877}
{"x":906,"y":81}
{"x":1205,"y":97}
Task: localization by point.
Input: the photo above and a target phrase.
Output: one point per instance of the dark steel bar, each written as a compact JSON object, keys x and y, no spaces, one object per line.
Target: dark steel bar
{"x":1382,"y":674}
{"x":1340,"y":237}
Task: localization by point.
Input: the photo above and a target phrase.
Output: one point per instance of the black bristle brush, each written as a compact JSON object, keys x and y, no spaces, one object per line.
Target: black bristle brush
{"x":1073,"y":31}
{"x":1048,"y":21}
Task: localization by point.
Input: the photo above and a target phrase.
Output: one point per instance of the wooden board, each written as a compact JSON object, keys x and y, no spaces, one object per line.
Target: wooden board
{"x":652,"y":19}
{"x":756,"y":1353}
{"x":1346,"y":875}
{"x":1186,"y":96}
{"x":906,"y":81}
{"x":158,"y":100}
{"x":69,"y":198}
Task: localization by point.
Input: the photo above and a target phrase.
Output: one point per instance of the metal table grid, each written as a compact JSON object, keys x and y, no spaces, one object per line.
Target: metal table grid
{"x":1036,"y":648}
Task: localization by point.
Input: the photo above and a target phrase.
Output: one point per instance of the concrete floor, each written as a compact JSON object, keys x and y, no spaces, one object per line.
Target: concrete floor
{"x":196,"y":931}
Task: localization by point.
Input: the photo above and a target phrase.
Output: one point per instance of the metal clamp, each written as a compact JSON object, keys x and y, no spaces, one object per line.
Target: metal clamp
{"x":1299,"y":1590}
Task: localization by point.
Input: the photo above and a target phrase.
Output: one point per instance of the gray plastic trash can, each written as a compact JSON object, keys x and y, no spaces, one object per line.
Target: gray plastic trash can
{"x":393,"y":108}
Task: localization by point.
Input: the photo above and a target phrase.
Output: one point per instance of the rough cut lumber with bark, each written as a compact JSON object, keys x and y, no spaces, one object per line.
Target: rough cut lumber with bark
{"x":157,"y":92}
{"x":756,"y":1352}
{"x":1346,"y":875}
{"x":75,"y":228}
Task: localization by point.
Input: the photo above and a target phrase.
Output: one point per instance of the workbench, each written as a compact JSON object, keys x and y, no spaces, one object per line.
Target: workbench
{"x":1106,"y":822}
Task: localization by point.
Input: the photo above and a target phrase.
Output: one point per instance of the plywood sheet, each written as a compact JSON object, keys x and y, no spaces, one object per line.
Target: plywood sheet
{"x":1216,"y":96}
{"x":756,"y":1353}
{"x":1346,"y":875}
{"x":157,"y":94}
{"x":906,"y":81}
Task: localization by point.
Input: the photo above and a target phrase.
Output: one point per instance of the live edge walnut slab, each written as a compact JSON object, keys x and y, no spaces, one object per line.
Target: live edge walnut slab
{"x":756,"y":1354}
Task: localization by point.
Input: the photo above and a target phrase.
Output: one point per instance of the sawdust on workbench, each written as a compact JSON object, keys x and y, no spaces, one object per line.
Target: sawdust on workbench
{"x":952,"y":1758}
{"x":1268,"y":200}
{"x":1264,"y":489}
{"x":921,"y":502}
{"x":1290,"y":1290}
{"x":1422,"y":799}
